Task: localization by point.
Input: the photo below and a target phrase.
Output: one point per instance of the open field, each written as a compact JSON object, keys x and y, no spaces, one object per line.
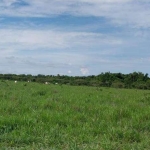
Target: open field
{"x":53,"y":117}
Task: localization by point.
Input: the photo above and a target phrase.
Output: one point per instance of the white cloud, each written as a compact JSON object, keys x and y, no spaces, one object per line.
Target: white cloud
{"x":128,"y":12}
{"x":51,"y":49}
{"x":49,"y":39}
{"x":84,"y":71}
{"x":69,"y":71}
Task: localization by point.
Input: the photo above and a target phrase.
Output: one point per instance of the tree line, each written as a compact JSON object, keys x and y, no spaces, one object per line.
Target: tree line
{"x":137,"y":80}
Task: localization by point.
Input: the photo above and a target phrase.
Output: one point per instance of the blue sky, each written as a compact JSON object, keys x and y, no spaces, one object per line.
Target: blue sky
{"x":74,"y":37}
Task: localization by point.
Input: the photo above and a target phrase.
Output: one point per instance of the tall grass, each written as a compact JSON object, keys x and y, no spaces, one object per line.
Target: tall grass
{"x":56,"y":117}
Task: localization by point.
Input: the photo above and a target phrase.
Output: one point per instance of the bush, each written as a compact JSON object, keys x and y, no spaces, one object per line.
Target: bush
{"x":118,"y":85}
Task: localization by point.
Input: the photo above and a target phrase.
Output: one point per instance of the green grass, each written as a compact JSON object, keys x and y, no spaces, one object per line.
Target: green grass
{"x":53,"y":117}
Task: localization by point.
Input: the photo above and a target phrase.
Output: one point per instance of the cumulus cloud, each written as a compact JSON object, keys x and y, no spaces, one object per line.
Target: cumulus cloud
{"x":84,"y":71}
{"x":69,"y":71}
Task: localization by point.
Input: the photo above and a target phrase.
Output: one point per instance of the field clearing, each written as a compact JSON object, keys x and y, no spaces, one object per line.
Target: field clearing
{"x":36,"y":116}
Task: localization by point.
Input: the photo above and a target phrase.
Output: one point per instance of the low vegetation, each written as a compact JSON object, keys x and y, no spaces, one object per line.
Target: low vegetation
{"x":61,"y":117}
{"x":137,"y":80}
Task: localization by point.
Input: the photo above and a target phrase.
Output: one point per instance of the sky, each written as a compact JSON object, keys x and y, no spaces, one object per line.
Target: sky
{"x":74,"y":37}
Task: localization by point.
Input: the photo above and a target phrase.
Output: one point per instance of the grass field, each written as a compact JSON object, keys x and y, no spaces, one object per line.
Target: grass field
{"x":53,"y":117}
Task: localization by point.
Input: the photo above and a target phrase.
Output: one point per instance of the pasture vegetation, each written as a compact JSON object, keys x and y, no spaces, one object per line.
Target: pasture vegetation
{"x":36,"y":116}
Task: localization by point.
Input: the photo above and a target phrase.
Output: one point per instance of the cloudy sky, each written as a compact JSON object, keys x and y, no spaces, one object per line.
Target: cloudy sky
{"x":74,"y":37}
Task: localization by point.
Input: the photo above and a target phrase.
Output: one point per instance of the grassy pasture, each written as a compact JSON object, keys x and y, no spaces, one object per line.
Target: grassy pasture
{"x":36,"y":116}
